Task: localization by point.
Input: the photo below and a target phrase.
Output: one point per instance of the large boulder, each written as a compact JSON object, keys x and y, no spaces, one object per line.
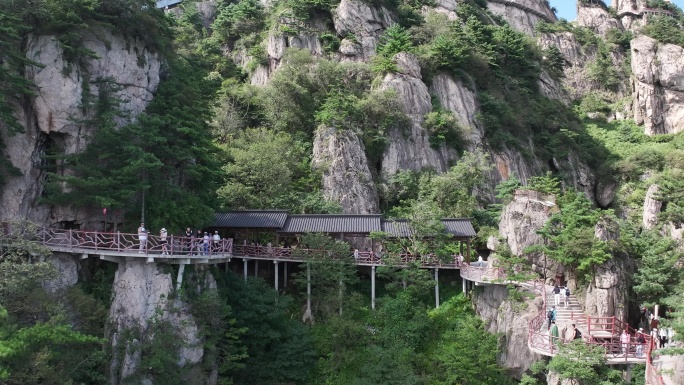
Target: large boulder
{"x":341,"y":156}
{"x":658,"y":76}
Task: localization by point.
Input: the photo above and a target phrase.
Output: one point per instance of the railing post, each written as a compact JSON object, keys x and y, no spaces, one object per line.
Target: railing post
{"x":71,"y":240}
{"x":118,"y":241}
{"x":171,"y":248}
{"x":95,"y":240}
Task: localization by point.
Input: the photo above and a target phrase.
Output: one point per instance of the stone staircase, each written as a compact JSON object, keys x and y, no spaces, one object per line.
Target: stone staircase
{"x":566,"y":316}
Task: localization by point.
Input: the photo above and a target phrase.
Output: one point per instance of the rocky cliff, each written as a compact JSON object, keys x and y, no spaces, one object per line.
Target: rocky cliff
{"x":658,"y":86}
{"x":522,"y":15}
{"x":509,"y":319}
{"x":55,"y":120}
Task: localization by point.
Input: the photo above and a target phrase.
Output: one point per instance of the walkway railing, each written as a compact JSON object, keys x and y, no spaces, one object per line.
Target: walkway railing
{"x":85,"y":241}
{"x":130,"y":243}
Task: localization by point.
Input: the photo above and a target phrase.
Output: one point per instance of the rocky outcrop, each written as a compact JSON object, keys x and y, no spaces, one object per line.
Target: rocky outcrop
{"x":365,"y":21}
{"x":652,"y":207}
{"x":553,"y":378}
{"x":522,"y":15}
{"x":497,"y":312}
{"x":55,"y":118}
{"x":141,"y":297}
{"x":597,"y":19}
{"x":671,"y":368}
{"x":454,"y":96}
{"x":520,"y":220}
{"x":606,"y":295}
{"x":658,"y":82}
{"x":411,"y":150}
{"x":630,"y":12}
{"x":340,"y":155}
{"x":66,"y":272}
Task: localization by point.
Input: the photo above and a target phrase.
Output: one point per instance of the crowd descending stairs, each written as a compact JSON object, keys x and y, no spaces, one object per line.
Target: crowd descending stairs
{"x":566,"y":316}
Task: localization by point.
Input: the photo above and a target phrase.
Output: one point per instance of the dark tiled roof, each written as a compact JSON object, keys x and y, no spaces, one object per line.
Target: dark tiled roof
{"x":359,"y":224}
{"x":460,"y":227}
{"x":274,"y":219}
{"x":396,"y":228}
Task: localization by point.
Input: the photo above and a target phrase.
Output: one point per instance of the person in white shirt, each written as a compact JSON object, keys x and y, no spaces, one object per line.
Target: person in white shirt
{"x":217,"y":239}
{"x":205,"y":243}
{"x":480,"y":261}
{"x":162,"y":240}
{"x":142,"y":237}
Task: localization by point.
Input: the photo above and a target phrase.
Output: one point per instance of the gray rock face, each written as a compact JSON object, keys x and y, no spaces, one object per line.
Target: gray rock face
{"x":493,"y":307}
{"x":141,"y":294}
{"x":522,"y":15}
{"x":528,"y":212}
{"x":66,"y":267}
{"x":606,"y":295}
{"x":412,"y":150}
{"x":671,"y":368}
{"x":651,"y":207}
{"x":346,"y":178}
{"x":55,"y":115}
{"x":597,"y":19}
{"x":365,"y":21}
{"x":456,"y":97}
{"x":658,"y":86}
{"x":553,"y":378}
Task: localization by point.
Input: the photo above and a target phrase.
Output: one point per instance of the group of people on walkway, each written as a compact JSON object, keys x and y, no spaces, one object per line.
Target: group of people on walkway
{"x":194,"y":243}
{"x":561,"y":294}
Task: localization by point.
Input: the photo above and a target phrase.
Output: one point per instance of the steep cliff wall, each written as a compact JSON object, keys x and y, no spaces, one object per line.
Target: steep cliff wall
{"x":522,"y":15}
{"x":55,"y":118}
{"x":658,"y":86}
{"x":502,"y":316}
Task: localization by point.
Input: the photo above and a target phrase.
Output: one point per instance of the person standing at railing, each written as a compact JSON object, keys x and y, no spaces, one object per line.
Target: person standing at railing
{"x":142,"y":238}
{"x":640,"y":340}
{"x":624,"y":339}
{"x":188,"y":241}
{"x":551,"y":315}
{"x":480,"y":261}
{"x":217,"y":241}
{"x":555,"y":339}
{"x":163,"y":241}
{"x":356,"y":254}
{"x":205,"y":243}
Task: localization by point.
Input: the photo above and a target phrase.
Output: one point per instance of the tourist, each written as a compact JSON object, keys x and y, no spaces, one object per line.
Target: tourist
{"x":556,"y":295}
{"x":662,"y":341}
{"x":640,"y":340}
{"x":551,"y":315}
{"x":216,"y":240}
{"x":480,"y":261}
{"x":555,"y":340}
{"x":576,"y":334}
{"x":205,"y":243}
{"x":567,"y":296}
{"x":162,"y":240}
{"x":356,"y":254}
{"x":624,"y":339}
{"x":198,"y":242}
{"x":188,"y":240}
{"x":142,"y":238}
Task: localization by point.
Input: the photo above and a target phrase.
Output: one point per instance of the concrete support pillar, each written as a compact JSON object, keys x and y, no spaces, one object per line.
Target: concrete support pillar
{"x":256,"y":268}
{"x":244,"y":268}
{"x":628,"y":374}
{"x":276,"y":274}
{"x":436,"y":287}
{"x":341,"y":294}
{"x":179,"y":279}
{"x":403,"y":284}
{"x":308,"y":314}
{"x":465,"y":288}
{"x":372,"y":287}
{"x":285,"y":274}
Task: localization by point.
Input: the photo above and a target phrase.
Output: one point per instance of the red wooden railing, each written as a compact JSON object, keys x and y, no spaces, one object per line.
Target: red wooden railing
{"x":130,"y":243}
{"x":194,"y":247}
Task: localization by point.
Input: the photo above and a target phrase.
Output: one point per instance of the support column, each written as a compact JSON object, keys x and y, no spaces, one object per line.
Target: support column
{"x":628,"y":374}
{"x":436,"y":287}
{"x":276,"y":274}
{"x":256,"y":268}
{"x":179,"y":279}
{"x":244,"y":269}
{"x":465,"y":288}
{"x":341,"y":298}
{"x":285,"y":274}
{"x":372,"y":287}
{"x":468,"y":251}
{"x":308,"y":315}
